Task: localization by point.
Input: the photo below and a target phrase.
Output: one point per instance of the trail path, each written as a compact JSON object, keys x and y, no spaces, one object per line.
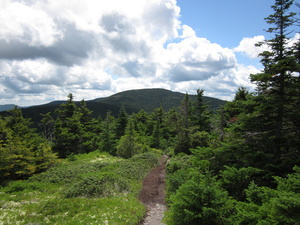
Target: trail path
{"x":153,"y":194}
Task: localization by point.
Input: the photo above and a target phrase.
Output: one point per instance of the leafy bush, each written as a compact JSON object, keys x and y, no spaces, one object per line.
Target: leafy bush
{"x":67,"y":173}
{"x":99,"y":189}
{"x":129,"y":146}
{"x":136,"y":167}
{"x":101,"y":185}
{"x":235,"y":180}
{"x":198,"y":201}
{"x":19,"y":186}
{"x":271,"y":206}
{"x":291,"y":183}
{"x":180,"y":161}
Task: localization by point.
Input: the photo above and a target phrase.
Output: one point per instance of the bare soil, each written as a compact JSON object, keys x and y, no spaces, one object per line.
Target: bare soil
{"x":153,"y":194}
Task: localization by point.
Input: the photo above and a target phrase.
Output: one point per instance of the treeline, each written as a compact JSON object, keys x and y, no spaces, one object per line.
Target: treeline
{"x":239,"y":165}
{"x":248,"y":172}
{"x":71,"y":130}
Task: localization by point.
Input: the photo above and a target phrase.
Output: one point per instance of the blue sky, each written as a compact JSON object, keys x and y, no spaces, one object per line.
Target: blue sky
{"x":93,"y":48}
{"x":226,"y":22}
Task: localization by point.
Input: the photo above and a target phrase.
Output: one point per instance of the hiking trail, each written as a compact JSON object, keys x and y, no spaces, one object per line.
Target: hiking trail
{"x":152,"y":194}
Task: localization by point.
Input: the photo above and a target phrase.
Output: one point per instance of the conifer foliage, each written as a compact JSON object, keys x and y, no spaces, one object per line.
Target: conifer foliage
{"x":249,"y":174}
{"x":22,"y":151}
{"x":278,"y":86}
{"x":237,"y":165}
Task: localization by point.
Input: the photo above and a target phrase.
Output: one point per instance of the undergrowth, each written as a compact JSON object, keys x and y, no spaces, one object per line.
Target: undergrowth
{"x":92,"y":188}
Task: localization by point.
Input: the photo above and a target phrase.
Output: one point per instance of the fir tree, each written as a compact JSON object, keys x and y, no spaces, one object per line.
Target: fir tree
{"x":200,"y":115}
{"x":184,"y":142}
{"x":121,"y":122}
{"x":273,"y":127}
{"x":68,"y":129}
{"x":107,"y":136}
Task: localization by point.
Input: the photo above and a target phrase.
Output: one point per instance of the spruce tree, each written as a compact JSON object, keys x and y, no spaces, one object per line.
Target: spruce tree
{"x":108,"y":142}
{"x":157,"y":133}
{"x":121,"y":122}
{"x":22,"y":151}
{"x":184,"y":140}
{"x":200,"y":114}
{"x":127,"y":146}
{"x":272,"y":125}
{"x":47,"y":126}
{"x":68,"y":129}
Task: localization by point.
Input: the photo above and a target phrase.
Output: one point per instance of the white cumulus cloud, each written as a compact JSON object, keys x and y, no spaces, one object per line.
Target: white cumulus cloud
{"x":92,"y":49}
{"x":248,"y":46}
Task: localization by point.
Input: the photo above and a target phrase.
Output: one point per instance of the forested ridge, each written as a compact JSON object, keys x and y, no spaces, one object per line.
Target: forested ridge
{"x":238,"y":164}
{"x":132,"y":100}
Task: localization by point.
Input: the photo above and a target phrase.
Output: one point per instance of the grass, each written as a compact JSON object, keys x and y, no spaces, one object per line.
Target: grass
{"x":93,"y":188}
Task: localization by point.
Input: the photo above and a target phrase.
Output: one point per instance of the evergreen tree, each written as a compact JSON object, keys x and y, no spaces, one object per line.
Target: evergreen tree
{"x":276,"y":86}
{"x":22,"y":151}
{"x":47,"y":124}
{"x":129,"y":144}
{"x":171,"y":126}
{"x":242,"y":94}
{"x":157,"y":135}
{"x":68,"y":129}
{"x":200,"y":115}
{"x":142,"y":123}
{"x":85,"y":113}
{"x":184,"y":141}
{"x":19,"y":125}
{"x":157,"y":131}
{"x":126,"y":147}
{"x":90,"y":129}
{"x":107,"y":136}
{"x":121,"y":122}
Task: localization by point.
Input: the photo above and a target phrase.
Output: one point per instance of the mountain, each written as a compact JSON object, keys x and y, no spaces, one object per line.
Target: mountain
{"x":150,"y":99}
{"x":133,"y":101}
{"x":6,"y":107}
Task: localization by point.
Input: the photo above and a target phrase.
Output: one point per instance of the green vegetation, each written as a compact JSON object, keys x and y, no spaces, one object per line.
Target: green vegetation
{"x":239,"y":164}
{"x":247,"y":169}
{"x":93,"y":188}
{"x":133,"y":100}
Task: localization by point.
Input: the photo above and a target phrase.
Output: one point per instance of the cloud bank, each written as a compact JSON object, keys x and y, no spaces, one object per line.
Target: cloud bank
{"x":93,"y":49}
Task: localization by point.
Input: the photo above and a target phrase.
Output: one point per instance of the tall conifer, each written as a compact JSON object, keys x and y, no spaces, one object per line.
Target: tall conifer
{"x":276,"y":86}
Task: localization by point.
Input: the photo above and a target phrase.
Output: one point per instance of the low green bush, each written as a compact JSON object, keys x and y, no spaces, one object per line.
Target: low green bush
{"x":271,"y":206}
{"x":99,"y":185}
{"x":200,"y":200}
{"x":135,"y":168}
{"x":20,"y":186}
{"x":68,"y":172}
{"x":93,"y":189}
{"x":123,"y":210}
{"x":236,"y":180}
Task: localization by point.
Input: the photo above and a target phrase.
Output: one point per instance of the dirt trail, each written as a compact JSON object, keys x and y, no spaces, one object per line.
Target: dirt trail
{"x":153,"y":194}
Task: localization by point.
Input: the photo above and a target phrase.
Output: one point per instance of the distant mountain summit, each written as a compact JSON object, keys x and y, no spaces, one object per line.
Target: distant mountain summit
{"x":6,"y":107}
{"x":150,"y":99}
{"x":133,"y":101}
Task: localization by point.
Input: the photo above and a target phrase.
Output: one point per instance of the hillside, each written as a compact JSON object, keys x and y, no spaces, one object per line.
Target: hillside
{"x":149,"y":99}
{"x":133,"y":101}
{"x":6,"y":107}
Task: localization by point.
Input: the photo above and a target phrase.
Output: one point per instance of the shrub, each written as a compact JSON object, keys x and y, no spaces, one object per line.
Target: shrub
{"x":101,"y":185}
{"x":235,"y":180}
{"x":198,"y":201}
{"x":271,"y":206}
{"x":19,"y":186}
{"x":67,"y":173}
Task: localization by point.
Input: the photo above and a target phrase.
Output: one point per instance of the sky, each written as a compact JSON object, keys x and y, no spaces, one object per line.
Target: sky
{"x":96,"y":48}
